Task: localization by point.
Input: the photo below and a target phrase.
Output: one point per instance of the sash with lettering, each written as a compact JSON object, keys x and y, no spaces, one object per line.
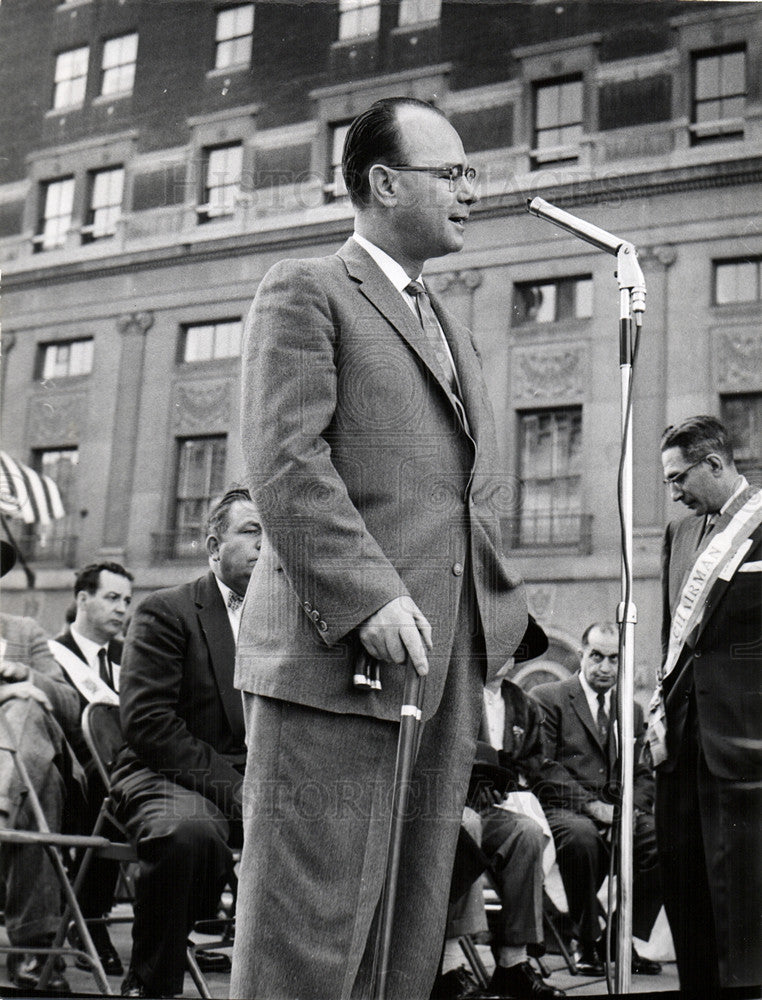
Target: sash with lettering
{"x":718,"y":560}
{"x":84,"y":679}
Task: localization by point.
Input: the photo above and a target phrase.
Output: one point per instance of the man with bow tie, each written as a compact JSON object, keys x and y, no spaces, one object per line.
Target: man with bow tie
{"x":176,"y":784}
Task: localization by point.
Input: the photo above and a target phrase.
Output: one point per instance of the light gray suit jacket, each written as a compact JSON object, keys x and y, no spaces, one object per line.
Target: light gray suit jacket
{"x":368,"y":485}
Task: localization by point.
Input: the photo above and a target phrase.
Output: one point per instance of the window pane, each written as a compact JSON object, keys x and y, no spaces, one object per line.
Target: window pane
{"x":106,"y":201}
{"x":734,"y":73}
{"x":223,"y":176}
{"x":227,"y":343}
{"x":70,"y":78}
{"x":707,"y":77}
{"x":550,"y":474}
{"x":234,"y":34}
{"x":417,"y":11}
{"x":584,"y":298}
{"x":59,"y":198}
{"x":736,"y":282}
{"x":200,"y":477}
{"x":358,"y":17}
{"x":570,"y":109}
{"x":198,"y":343}
{"x":119,"y":55}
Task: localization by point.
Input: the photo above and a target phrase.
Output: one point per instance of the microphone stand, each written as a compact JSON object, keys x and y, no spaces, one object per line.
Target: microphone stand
{"x":632,"y":297}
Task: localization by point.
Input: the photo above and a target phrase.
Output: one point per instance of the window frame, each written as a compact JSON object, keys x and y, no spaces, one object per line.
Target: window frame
{"x":40,"y":373}
{"x":561,"y":151}
{"x":57,"y":83}
{"x":723,"y":127}
{"x":119,"y":67}
{"x":733,"y":262}
{"x":405,"y":20}
{"x":232,"y":39}
{"x":562,"y":282}
{"x":207,"y":210}
{"x":359,"y":11}
{"x":45,"y":186}
{"x":192,"y":546}
{"x":90,"y":231}
{"x":214,"y":324}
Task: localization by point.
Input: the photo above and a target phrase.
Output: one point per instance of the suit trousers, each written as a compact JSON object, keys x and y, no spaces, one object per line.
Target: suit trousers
{"x":317,"y":802}
{"x":582,"y":851}
{"x":708,"y":832}
{"x":32,"y":890}
{"x":183,"y":863}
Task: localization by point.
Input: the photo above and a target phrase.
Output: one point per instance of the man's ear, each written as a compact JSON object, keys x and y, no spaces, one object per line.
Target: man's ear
{"x":716,"y":463}
{"x":383,"y":184}
{"x":213,"y":547}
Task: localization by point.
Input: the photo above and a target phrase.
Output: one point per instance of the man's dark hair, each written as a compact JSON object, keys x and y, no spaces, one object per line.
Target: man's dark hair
{"x":698,"y":436}
{"x":610,"y":628}
{"x":374,"y":137}
{"x":88,"y":578}
{"x":218,"y":518}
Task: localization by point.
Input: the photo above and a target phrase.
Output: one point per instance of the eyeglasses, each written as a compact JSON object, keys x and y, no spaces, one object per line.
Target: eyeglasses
{"x":598,"y":657}
{"x":678,"y":478}
{"x":452,"y":174}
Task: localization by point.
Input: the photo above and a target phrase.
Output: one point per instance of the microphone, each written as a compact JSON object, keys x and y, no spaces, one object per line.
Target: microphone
{"x":576,"y":226}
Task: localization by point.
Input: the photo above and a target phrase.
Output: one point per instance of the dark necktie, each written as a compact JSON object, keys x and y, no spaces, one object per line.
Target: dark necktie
{"x":234,"y":600}
{"x":104,"y":667}
{"x":602,"y":718}
{"x":431,"y":329}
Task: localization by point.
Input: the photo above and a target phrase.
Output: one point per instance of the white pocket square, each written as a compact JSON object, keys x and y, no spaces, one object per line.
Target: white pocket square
{"x":751,"y":567}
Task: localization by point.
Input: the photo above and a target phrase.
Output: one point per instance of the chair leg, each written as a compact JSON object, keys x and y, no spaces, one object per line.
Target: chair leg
{"x":196,"y":974}
{"x":473,"y":957}
{"x":571,"y":965}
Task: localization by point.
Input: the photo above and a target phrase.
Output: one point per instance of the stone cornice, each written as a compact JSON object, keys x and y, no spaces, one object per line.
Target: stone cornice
{"x":582,"y":192}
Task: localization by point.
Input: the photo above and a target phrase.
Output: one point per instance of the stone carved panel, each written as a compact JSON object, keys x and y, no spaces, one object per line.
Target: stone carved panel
{"x":55,"y":418}
{"x":137,"y":322}
{"x":548,"y":373}
{"x":738,"y":359}
{"x":202,"y":407}
{"x":457,"y":289}
{"x":663,"y":255}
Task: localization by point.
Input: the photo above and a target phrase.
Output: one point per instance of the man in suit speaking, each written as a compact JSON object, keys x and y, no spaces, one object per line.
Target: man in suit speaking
{"x":705,"y":725}
{"x":371,"y":454}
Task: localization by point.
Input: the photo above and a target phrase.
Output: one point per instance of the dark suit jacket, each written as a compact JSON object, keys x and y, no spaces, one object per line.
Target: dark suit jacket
{"x":522,"y":753}
{"x":115,"y":647}
{"x":723,"y":662}
{"x":368,"y":485}
{"x":181,"y":716}
{"x":578,"y":768}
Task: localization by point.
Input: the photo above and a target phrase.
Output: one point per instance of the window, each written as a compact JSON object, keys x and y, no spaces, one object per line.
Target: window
{"x":105,"y":207}
{"x":737,"y":281}
{"x":358,"y":18}
{"x":235,"y":26}
{"x":558,"y":120}
{"x":719,"y":94}
{"x":550,"y":465}
{"x":200,"y":477}
{"x":66,"y":358}
{"x":551,"y":301}
{"x":222,"y":180}
{"x":335,"y":188}
{"x":419,"y":11}
{"x":208,"y":341}
{"x":742,"y":416}
{"x":53,"y":226}
{"x":70,"y":78}
{"x":56,"y":542}
{"x":119,"y":55}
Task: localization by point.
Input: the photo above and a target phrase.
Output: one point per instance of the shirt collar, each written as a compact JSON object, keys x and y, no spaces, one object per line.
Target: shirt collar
{"x":89,"y":648}
{"x":592,"y":696}
{"x":393,"y":270}
{"x":742,"y":483}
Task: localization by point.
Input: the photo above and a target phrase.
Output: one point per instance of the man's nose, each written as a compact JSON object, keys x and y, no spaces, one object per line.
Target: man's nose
{"x":467,"y":191}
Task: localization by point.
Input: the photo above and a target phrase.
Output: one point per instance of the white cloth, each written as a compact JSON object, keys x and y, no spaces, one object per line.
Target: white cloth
{"x":90,"y":650}
{"x":494,"y":710}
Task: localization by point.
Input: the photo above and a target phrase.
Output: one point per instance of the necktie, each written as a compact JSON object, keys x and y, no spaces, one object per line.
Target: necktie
{"x":602,"y":718}
{"x":708,"y":528}
{"x":234,"y":600}
{"x":104,"y":667}
{"x":431,"y":329}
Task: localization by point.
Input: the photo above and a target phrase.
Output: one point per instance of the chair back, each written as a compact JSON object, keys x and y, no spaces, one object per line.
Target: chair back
{"x":103,"y":734}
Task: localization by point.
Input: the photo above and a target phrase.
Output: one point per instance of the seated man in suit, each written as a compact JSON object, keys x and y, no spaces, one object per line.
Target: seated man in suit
{"x":512,"y":843}
{"x":38,"y":708}
{"x":177,"y":782}
{"x":578,"y":788}
{"x":89,"y":651}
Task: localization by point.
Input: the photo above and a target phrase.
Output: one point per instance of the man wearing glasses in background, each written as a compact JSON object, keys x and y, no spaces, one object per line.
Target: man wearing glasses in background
{"x":705,"y":724}
{"x":579,"y":791}
{"x":370,"y":448}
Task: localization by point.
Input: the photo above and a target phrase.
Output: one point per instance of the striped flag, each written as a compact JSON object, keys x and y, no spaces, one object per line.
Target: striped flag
{"x":26,"y":494}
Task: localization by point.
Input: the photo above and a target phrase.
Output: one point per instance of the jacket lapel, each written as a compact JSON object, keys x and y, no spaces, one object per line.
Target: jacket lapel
{"x":579,"y":704}
{"x":466,"y":364}
{"x":382,"y":294}
{"x":215,"y":625}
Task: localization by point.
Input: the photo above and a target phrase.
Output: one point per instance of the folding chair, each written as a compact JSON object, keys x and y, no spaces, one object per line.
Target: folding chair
{"x":102,"y":729}
{"x":54,"y":844}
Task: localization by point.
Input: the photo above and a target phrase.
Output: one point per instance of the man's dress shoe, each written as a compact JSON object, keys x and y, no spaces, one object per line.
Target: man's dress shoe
{"x":588,"y":961}
{"x":107,"y":953}
{"x":457,"y":984}
{"x":25,"y":970}
{"x":521,"y":982}
{"x":644,"y":966}
{"x":213,"y":961}
{"x":133,"y":986}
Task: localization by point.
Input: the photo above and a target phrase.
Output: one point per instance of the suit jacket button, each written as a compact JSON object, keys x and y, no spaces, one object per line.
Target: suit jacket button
{"x":696,"y":654}
{"x":307,"y":606}
{"x":314,"y":615}
{"x":322,"y":626}
{"x":457,"y":569}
